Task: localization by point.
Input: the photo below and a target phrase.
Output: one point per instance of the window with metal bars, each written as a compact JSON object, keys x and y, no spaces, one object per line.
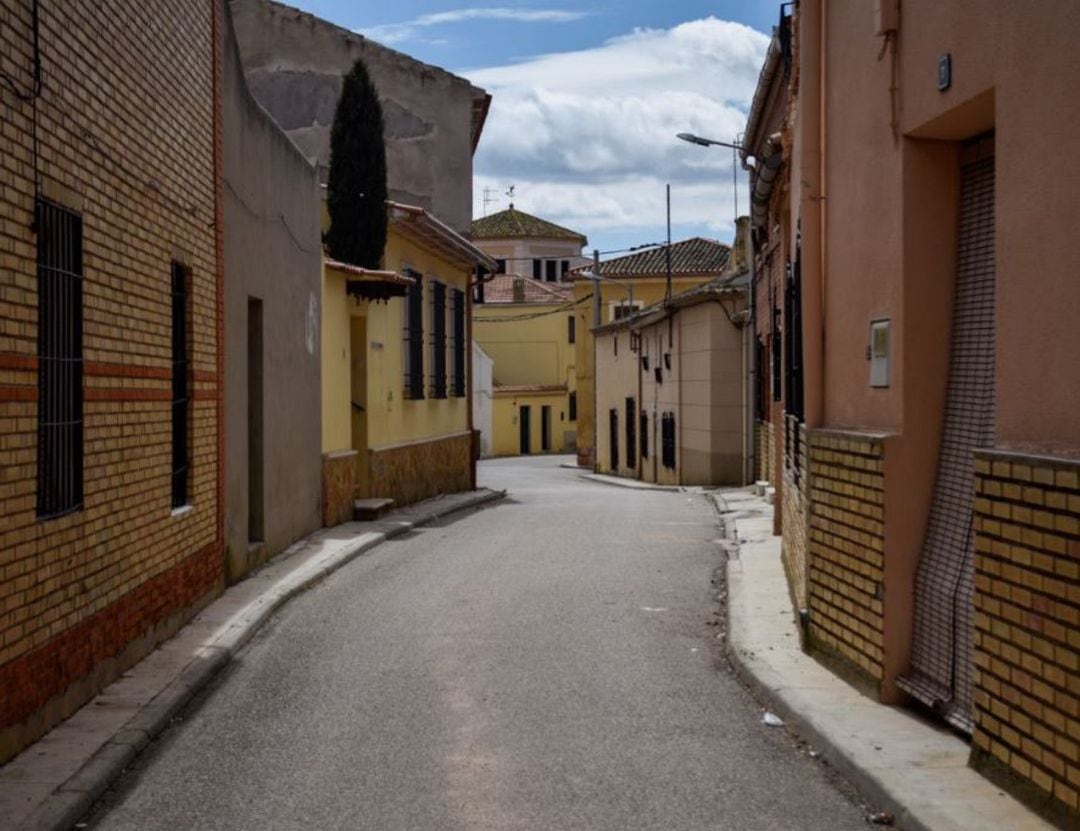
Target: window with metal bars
{"x":613,"y":426}
{"x":631,"y":428}
{"x":457,"y":315}
{"x":793,"y":349}
{"x":667,"y":438}
{"x":438,"y":339}
{"x":181,"y":417}
{"x":60,"y":360}
{"x":414,"y":337}
{"x":777,"y":346}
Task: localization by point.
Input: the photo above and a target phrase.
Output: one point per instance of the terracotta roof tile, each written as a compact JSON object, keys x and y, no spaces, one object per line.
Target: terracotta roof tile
{"x":696,"y":256}
{"x":500,"y":289}
{"x":515,"y":224}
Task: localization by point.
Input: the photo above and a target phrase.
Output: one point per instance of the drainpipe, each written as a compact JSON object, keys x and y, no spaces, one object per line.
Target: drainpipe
{"x":750,"y":345}
{"x":474,"y":442}
{"x":811,"y":205}
{"x":595,"y":387}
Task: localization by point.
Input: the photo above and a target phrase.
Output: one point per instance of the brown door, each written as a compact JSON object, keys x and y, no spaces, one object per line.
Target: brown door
{"x":941,"y":651}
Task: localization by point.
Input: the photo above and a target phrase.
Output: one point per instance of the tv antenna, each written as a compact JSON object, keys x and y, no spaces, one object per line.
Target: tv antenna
{"x":489,"y":198}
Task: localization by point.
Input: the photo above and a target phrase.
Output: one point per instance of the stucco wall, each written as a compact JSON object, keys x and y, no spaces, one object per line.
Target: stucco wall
{"x":506,"y":425}
{"x":535,"y":350}
{"x":295,"y":62}
{"x":482,"y":388}
{"x":617,"y":371}
{"x":272,"y":253}
{"x":713,"y":411}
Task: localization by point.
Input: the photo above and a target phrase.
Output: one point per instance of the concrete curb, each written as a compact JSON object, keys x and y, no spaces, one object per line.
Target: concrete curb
{"x":876,"y":792}
{"x":73,"y":798}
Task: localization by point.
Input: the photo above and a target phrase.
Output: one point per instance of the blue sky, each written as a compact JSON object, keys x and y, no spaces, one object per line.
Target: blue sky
{"x":587,"y":98}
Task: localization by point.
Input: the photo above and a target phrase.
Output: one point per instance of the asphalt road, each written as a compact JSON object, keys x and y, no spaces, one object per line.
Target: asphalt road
{"x":545,"y":663}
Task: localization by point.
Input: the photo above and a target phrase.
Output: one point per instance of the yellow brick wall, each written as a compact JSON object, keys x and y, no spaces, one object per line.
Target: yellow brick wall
{"x":1027,"y":624}
{"x":794,"y":509}
{"x":762,"y":449}
{"x":846,"y":549}
{"x":126,"y":137}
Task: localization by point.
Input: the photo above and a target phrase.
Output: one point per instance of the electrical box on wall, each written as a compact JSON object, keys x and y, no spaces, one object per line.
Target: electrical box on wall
{"x":879,"y":352}
{"x":886,"y":16}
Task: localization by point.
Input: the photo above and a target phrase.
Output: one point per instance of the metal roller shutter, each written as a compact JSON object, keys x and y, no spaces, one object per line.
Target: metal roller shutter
{"x":941,"y":650}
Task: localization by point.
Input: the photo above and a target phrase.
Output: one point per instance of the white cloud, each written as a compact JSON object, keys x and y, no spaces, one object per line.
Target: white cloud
{"x":588,"y":137}
{"x":397,"y":32}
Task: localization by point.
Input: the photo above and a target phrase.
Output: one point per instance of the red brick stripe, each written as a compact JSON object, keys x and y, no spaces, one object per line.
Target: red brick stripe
{"x":18,"y":393}
{"x":11,"y":360}
{"x":113,"y":394}
{"x":30,"y":680}
{"x":100,"y":369}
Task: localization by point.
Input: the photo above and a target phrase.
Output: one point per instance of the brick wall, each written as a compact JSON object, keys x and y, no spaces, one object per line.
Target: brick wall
{"x":846,"y":551}
{"x":794,"y":494}
{"x":126,"y":137}
{"x":1027,"y":626}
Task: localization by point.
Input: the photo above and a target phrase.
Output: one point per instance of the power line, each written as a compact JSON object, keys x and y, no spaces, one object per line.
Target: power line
{"x":531,"y":315}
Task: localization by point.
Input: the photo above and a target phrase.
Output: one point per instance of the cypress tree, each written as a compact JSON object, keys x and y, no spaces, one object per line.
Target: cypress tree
{"x":356,"y":187}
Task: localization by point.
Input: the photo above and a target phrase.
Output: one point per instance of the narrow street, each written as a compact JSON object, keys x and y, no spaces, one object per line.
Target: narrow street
{"x":545,"y":663}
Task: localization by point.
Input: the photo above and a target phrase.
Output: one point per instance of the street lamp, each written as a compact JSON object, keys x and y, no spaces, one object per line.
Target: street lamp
{"x":735,"y":148}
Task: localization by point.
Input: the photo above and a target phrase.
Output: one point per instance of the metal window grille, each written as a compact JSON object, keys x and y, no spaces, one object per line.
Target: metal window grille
{"x":414,"y":337}
{"x":941,"y":671}
{"x":667,"y":438}
{"x":793,"y":347}
{"x":457,"y":305}
{"x":60,"y":360}
{"x":613,"y":426}
{"x":180,"y":396}
{"x":777,"y":345}
{"x":573,"y":406}
{"x":438,"y":340}
{"x":644,"y":435}
{"x":631,"y":427}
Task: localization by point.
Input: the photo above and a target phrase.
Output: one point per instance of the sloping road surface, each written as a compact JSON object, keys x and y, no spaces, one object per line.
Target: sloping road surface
{"x":546,"y":663}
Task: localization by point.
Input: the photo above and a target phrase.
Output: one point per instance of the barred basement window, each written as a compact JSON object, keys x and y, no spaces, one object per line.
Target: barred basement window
{"x":438,"y":339}
{"x":457,"y":307}
{"x":180,"y":398}
{"x":60,"y":360}
{"x":414,"y":337}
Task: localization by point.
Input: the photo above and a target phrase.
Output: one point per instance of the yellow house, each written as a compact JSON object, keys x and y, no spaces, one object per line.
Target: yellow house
{"x":528,"y":328}
{"x":396,"y":396}
{"x":644,"y":275}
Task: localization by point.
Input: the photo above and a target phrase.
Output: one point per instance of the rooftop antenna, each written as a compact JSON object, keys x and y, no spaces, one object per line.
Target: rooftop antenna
{"x":510,"y":193}
{"x":489,"y":198}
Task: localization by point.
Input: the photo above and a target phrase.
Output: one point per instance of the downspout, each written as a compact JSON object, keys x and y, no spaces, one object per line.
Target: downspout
{"x":811,"y":167}
{"x":474,"y":442}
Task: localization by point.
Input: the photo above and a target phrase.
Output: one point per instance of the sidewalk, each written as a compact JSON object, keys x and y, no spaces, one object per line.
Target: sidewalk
{"x":52,"y":783}
{"x":901,"y":763}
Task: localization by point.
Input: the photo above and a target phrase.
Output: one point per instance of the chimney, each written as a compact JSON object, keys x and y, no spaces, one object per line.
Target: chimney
{"x":519,"y":289}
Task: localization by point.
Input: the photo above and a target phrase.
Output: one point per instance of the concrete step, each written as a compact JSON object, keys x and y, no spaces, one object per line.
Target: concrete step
{"x":365,"y":510}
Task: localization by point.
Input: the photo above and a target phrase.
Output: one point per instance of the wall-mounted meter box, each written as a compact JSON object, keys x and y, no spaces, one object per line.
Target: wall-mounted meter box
{"x":879,"y":350}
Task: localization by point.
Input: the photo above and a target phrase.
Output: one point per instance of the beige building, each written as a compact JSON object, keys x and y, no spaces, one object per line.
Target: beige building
{"x":628,"y":283}
{"x":671,"y":389}
{"x":922,"y":358}
{"x":529,"y":246}
{"x":528,"y":328}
